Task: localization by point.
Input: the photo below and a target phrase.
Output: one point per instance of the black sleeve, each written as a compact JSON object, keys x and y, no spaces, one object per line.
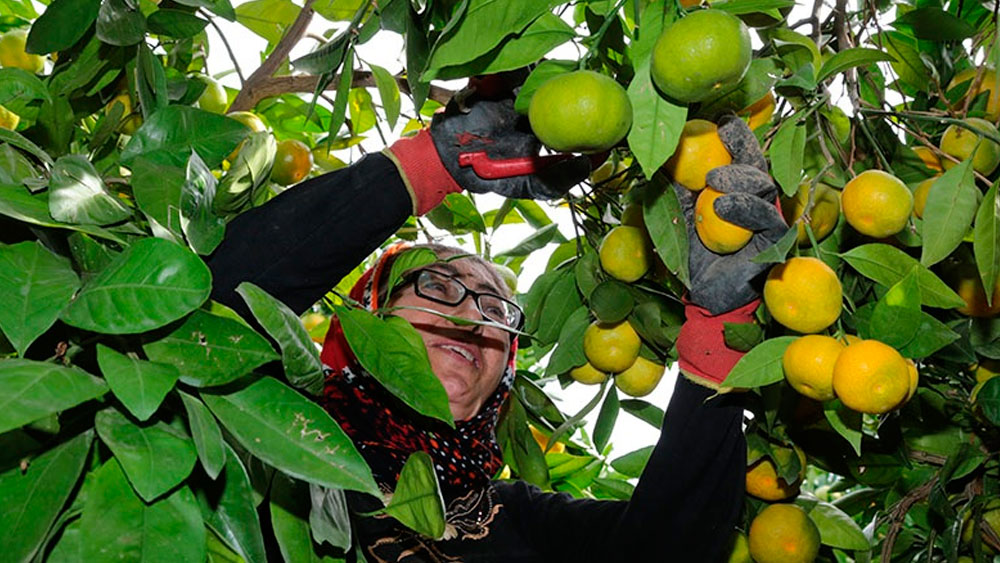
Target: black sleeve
{"x":301,"y":243}
{"x":685,"y":506}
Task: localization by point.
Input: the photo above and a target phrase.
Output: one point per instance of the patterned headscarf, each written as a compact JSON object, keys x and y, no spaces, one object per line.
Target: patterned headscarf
{"x":386,"y":431}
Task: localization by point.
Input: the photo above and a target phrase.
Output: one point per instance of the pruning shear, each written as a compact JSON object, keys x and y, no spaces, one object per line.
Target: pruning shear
{"x":490,"y":169}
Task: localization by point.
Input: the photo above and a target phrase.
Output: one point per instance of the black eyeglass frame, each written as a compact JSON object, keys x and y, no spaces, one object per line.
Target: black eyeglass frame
{"x":411,"y":278}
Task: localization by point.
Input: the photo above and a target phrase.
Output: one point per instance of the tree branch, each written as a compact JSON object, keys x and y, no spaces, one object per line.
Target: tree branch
{"x":898,"y":513}
{"x":225,"y":42}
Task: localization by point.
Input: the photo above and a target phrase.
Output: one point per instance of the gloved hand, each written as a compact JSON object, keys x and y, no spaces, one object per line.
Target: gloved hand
{"x":429,"y":164}
{"x":722,"y":286}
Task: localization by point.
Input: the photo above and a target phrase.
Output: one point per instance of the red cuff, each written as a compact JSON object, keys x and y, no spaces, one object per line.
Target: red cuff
{"x":701,"y":344}
{"x":425,"y":176}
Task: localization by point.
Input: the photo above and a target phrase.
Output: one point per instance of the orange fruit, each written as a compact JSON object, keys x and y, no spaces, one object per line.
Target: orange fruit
{"x":292,"y":162}
{"x":808,"y":364}
{"x":804,"y":294}
{"x":963,"y":143}
{"x":920,"y":196}
{"x":988,"y":82}
{"x":580,"y":111}
{"x":717,"y":234}
{"x":914,"y":373}
{"x":640,"y":378}
{"x":760,"y":112}
{"x":876,"y":203}
{"x":987,"y":369}
{"x":699,"y":150}
{"x":541,"y":439}
{"x":763,"y":482}
{"x":625,"y":253}
{"x":740,"y":552}
{"x":929,"y":158}
{"x":611,"y":348}
{"x":967,"y":283}
{"x":13,"y":54}
{"x":588,"y":374}
{"x":130,"y":120}
{"x":8,"y":119}
{"x":783,"y":533}
{"x":871,"y":377}
{"x":699,"y":54}
{"x":824,"y":211}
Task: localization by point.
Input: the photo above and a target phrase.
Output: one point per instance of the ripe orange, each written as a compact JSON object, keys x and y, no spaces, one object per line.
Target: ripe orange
{"x":808,"y":363}
{"x":967,"y":283}
{"x":8,"y":119}
{"x":962,"y":143}
{"x":717,"y":234}
{"x":640,"y":378}
{"x":760,"y":112}
{"x":920,"y":196}
{"x":783,"y":533}
{"x":611,"y":348}
{"x":929,"y":158}
{"x":876,"y":203}
{"x":541,"y":439}
{"x":871,"y":377}
{"x":588,"y":374}
{"x":989,"y":81}
{"x":762,"y":479}
{"x":625,"y":253}
{"x":803,"y":294}
{"x":292,"y":162}
{"x":13,"y":55}
{"x":580,"y":111}
{"x":698,"y":55}
{"x":699,"y":150}
{"x":914,"y":381}
{"x":823,"y":212}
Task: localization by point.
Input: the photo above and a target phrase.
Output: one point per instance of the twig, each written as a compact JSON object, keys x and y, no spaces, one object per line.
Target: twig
{"x":253,"y":93}
{"x":229,"y":49}
{"x":840,"y":27}
{"x":898,"y":513}
{"x":273,"y":61}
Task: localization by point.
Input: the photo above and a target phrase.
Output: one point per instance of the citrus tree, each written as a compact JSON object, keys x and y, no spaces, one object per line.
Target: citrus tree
{"x":142,"y":420}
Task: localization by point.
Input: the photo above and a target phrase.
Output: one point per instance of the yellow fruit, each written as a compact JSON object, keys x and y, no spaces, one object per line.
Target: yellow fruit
{"x":991,"y":519}
{"x":8,"y":119}
{"x":987,"y":369}
{"x":13,"y":55}
{"x":762,"y":479}
{"x":542,"y":440}
{"x":760,"y":112}
{"x":213,"y":98}
{"x":131,"y":120}
{"x":987,"y":82}
{"x":611,"y":348}
{"x":740,"y":552}
{"x":639,"y":379}
{"x":803,"y":294}
{"x":914,"y":373}
{"x":783,"y":533}
{"x":292,"y":162}
{"x":808,"y":364}
{"x":610,"y":176}
{"x":929,"y":158}
{"x":717,"y":234}
{"x":920,"y":196}
{"x":871,"y":377}
{"x":580,"y":111}
{"x":849,"y":339}
{"x":699,"y":150}
{"x":624,"y":253}
{"x":823,"y":213}
{"x":251,"y":121}
{"x":876,"y":203}
{"x":588,"y":374}
{"x":968,"y":285}
{"x":961,"y":142}
{"x":698,"y":55}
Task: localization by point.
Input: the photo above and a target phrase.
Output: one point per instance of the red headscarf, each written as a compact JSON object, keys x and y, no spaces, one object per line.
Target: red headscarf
{"x":386,"y":431}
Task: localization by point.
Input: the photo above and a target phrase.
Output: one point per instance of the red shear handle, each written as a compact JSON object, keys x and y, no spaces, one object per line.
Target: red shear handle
{"x":490,"y":169}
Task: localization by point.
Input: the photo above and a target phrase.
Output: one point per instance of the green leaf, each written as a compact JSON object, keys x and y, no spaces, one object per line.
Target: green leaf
{"x":16,"y":83}
{"x":417,"y":500}
{"x":155,"y":456}
{"x":298,"y":353}
{"x":32,"y":498}
{"x":837,"y":529}
{"x":751,"y":6}
{"x":850,"y":58}
{"x":559,"y":304}
{"x":120,"y":23}
{"x":175,"y":23}
{"x":250,"y":171}
{"x":339,"y":111}
{"x":62,"y":24}
{"x":656,"y":122}
{"x":175,"y":131}
{"x":289,"y":508}
{"x":141,"y":386}
{"x":231,"y":511}
{"x":116,"y":525}
{"x":897,"y":315}
{"x":777,"y":252}
{"x":291,"y":433}
{"x":633,"y":463}
{"x":887,"y":265}
{"x":520,"y":449}
{"x":210,"y":350}
{"x":569,"y":353}
{"x":35,"y":285}
{"x":951,"y":206}
{"x":588,"y":273}
{"x":267,"y":18}
{"x":667,"y":226}
{"x":150,"y":284}
{"x":202,"y":227}
{"x":909,"y":64}
{"x":788,"y":41}
{"x":536,"y":240}
{"x":787,"y":150}
{"x":206,"y":435}
{"x":931,"y":336}
{"x":742,"y":336}
{"x":986,"y":239}
{"x":393,"y":352}
{"x":388,"y":93}
{"x":457,"y":214}
{"x":761,"y":365}
{"x":330,"y":517}
{"x":845,"y":422}
{"x":611,"y":302}
{"x":647,"y":412}
{"x":988,"y":400}
{"x":540,"y":75}
{"x":362,"y":110}
{"x":32,"y":390}
{"x":606,"y":419}
{"x":156,"y":185}
{"x":15,"y":168}
{"x":77,"y":194}
{"x":935,"y":24}
{"x":338,"y":10}
{"x":409,"y":259}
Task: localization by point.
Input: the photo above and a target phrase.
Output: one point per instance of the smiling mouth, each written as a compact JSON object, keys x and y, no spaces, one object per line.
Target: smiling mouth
{"x":463,"y":352}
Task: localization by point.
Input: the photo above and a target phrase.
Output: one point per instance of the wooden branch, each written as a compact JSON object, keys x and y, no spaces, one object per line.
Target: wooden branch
{"x":255,"y":91}
{"x":898,"y":513}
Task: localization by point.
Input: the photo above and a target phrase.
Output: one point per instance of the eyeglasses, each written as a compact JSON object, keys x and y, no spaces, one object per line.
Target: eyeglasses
{"x":447,"y":290}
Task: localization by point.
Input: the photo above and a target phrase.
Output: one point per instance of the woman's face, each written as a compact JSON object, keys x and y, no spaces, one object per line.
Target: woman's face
{"x":469,"y":360}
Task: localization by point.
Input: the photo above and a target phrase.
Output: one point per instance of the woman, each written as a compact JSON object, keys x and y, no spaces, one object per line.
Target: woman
{"x":301,"y":243}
